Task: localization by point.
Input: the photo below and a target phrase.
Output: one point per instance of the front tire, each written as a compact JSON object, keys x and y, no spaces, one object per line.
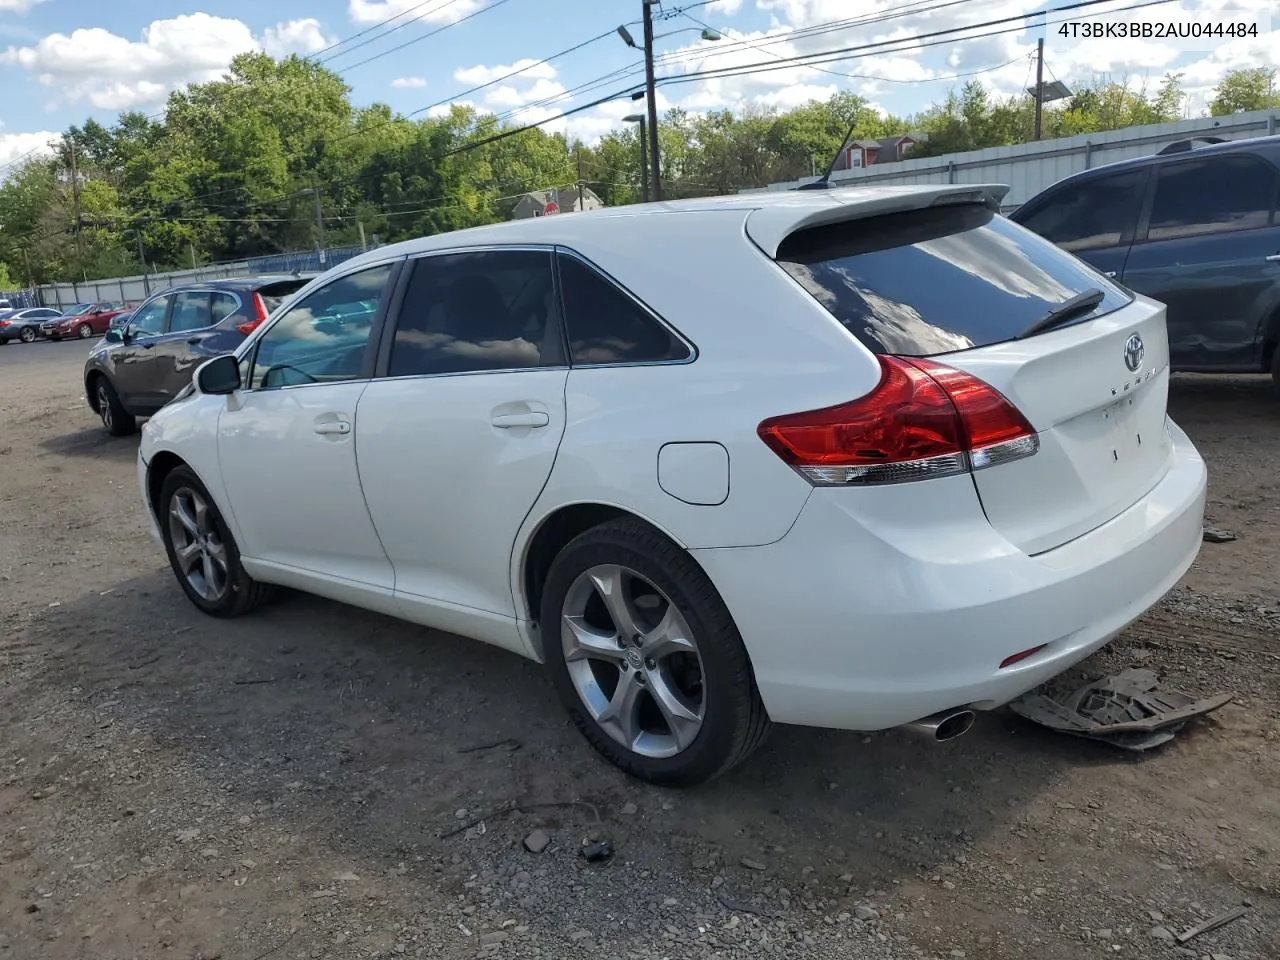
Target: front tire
{"x":118,"y":421}
{"x":84,"y":331}
{"x":646,"y":657}
{"x":27,"y":335}
{"x":201,"y":550}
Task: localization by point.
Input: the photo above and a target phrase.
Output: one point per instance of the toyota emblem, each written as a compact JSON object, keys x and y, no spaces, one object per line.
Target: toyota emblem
{"x":1134,"y":351}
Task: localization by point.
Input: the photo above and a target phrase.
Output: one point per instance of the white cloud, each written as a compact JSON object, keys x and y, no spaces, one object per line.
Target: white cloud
{"x":444,"y":109}
{"x":115,"y":73}
{"x":507,"y":96}
{"x":408,"y":83}
{"x":434,"y":11}
{"x":17,"y":6}
{"x":529,"y":70}
{"x":17,"y":146}
{"x":295,"y":36}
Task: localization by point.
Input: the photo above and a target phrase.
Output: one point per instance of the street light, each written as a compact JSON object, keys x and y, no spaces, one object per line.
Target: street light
{"x":644,"y":154}
{"x":655,"y":162}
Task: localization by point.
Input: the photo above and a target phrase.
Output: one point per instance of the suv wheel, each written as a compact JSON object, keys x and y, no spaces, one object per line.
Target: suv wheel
{"x":646,"y":657}
{"x":118,"y":421}
{"x":201,"y":550}
{"x":84,"y":331}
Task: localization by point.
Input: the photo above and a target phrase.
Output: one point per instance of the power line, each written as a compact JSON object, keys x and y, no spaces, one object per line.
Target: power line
{"x":430,"y":33}
{"x":381,"y":23}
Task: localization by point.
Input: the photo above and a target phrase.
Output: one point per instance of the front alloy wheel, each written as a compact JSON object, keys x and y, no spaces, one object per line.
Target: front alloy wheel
{"x":84,"y":331}
{"x":646,"y":657}
{"x":27,"y":335}
{"x":202,"y":551}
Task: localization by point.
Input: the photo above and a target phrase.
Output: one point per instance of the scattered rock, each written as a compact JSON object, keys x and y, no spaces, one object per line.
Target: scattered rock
{"x":1162,"y":933}
{"x":537,"y":841}
{"x":597,"y":852}
{"x":346,"y":877}
{"x":865,"y":913}
{"x":629,"y":809}
{"x":752,"y":864}
{"x":495,"y":936}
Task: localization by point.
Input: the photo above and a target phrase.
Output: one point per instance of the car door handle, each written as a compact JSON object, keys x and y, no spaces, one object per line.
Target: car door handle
{"x":334,"y":428}
{"x":1275,"y":257}
{"x":1110,"y":273}
{"x":534,"y":418}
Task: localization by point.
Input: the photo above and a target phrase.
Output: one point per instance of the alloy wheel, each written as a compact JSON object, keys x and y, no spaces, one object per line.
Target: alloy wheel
{"x":200,"y":552}
{"x":633,"y":661}
{"x":104,"y":405}
{"x":27,"y":335}
{"x":85,"y":331}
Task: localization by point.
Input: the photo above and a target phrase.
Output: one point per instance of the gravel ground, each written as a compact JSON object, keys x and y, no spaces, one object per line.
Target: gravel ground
{"x":320,"y":782}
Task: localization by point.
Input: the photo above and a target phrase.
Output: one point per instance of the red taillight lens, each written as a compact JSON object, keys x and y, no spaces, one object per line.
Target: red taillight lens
{"x":922,"y":420}
{"x":260,"y":314}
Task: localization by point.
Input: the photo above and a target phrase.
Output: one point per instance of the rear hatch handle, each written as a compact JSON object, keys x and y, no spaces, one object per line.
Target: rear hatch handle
{"x":1067,"y":310}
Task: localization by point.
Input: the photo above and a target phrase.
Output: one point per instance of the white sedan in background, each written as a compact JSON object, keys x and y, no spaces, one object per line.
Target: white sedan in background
{"x":852,"y":459}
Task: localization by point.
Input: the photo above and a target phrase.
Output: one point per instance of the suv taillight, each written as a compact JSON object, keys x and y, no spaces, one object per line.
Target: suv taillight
{"x":922,"y":420}
{"x":260,"y":314}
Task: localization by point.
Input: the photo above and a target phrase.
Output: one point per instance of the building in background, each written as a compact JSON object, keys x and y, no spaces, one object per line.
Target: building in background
{"x":542,"y":203}
{"x":864,"y":153}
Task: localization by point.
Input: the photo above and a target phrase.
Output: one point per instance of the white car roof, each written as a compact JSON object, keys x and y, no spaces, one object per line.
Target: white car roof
{"x":770,"y":216}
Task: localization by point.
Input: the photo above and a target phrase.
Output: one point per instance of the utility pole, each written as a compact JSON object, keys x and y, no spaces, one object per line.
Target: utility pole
{"x":363,"y":246}
{"x":192,"y":247}
{"x":655,"y":170}
{"x":582,"y":203}
{"x":644,"y":161}
{"x":75,"y":198}
{"x":320,"y":243}
{"x":1039,"y":83}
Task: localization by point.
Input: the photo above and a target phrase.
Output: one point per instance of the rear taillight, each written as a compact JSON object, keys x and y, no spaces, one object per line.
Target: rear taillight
{"x":923,"y":420}
{"x":260,"y":314}
{"x":4,"y":323}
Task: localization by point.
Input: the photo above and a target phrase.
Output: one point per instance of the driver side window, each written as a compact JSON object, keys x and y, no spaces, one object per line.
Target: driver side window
{"x":324,"y":338}
{"x":149,"y":320}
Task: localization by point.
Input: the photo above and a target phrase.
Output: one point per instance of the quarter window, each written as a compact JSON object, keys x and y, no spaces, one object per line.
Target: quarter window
{"x":606,"y":325}
{"x":1212,"y":195}
{"x":467,"y":312}
{"x":221,"y":306}
{"x":324,"y":338}
{"x":1096,"y":214}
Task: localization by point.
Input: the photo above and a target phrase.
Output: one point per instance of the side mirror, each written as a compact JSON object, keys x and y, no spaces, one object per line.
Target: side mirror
{"x":114,"y":335}
{"x":219,"y":376}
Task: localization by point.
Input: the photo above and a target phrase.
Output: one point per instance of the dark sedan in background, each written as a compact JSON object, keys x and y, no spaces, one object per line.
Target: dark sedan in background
{"x":84,"y":320}
{"x":24,"y":323}
{"x":140,"y":367}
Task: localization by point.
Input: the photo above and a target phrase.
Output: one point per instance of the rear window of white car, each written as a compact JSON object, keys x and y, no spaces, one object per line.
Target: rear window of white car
{"x":938,"y":280}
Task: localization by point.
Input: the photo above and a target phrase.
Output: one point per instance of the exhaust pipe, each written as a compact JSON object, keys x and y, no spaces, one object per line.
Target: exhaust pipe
{"x":944,"y":725}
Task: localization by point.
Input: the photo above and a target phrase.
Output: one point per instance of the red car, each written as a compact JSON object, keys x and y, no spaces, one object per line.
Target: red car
{"x":84,"y":320}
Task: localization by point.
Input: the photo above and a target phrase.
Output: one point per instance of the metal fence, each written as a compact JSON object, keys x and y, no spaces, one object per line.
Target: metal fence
{"x":20,"y":298}
{"x":1030,"y":167}
{"x":136,"y":289}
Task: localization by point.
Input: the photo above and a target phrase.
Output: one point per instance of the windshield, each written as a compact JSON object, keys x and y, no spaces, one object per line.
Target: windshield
{"x":938,"y":280}
{"x":76,"y":310}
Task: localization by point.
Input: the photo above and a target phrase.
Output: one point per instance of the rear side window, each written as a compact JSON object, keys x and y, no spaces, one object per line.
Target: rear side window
{"x":938,"y":280}
{"x":606,"y":325}
{"x":471,"y":312}
{"x":222,"y":305}
{"x":1212,"y":195}
{"x":1092,"y":215}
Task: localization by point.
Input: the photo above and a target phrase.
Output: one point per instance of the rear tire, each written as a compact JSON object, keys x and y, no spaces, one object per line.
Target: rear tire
{"x":118,"y":421}
{"x":676,"y":702}
{"x":27,"y":335}
{"x":201,"y":550}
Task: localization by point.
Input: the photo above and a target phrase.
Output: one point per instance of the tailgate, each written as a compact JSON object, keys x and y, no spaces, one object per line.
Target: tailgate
{"x":1096,"y":394}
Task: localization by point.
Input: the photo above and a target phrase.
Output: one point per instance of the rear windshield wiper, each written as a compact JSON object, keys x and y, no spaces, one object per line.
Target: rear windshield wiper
{"x":1080,"y":303}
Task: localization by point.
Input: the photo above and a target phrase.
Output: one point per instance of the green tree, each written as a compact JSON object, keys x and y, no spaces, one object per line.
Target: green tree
{"x":1253,"y":88}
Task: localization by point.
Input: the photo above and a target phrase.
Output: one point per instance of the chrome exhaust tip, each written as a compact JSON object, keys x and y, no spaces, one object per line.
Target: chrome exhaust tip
{"x":944,"y":725}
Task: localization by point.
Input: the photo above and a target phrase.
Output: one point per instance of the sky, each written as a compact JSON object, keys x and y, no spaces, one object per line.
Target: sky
{"x":62,"y":61}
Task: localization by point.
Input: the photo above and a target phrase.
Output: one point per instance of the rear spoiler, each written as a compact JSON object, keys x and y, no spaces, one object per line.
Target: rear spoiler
{"x":769,"y":226}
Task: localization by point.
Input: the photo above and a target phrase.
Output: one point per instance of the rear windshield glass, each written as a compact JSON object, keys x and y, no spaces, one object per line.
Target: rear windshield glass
{"x":938,"y":280}
{"x":275,"y":294}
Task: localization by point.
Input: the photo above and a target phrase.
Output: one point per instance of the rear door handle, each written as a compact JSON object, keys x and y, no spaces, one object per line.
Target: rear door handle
{"x":1273,"y":258}
{"x":334,"y":428}
{"x":1110,"y":273}
{"x":534,"y":418}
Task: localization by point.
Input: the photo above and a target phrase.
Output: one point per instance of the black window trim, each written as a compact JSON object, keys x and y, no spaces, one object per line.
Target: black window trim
{"x":644,"y":307}
{"x":387,"y":340}
{"x":1153,"y":184}
{"x":249,"y":352}
{"x":1131,"y":232}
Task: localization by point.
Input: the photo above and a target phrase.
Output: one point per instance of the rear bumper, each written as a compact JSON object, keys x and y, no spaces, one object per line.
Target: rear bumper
{"x":882,"y":606}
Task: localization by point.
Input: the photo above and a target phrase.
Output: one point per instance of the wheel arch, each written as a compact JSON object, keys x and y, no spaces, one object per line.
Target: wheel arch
{"x":163,"y":463}
{"x":91,"y":378}
{"x":1270,"y":338}
{"x":551,"y":534}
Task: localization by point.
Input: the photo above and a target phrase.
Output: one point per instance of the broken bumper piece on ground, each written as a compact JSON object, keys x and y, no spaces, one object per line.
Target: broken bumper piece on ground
{"x":1127,"y":710}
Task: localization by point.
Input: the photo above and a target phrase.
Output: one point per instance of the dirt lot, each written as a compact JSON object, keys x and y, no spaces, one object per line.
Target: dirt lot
{"x":284,"y":785}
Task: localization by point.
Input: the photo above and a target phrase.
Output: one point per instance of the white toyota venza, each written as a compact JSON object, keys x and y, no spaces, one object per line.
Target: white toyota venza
{"x":854,"y":458}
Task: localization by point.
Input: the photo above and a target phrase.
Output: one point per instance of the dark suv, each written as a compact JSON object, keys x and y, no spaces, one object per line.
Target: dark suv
{"x":139,"y":367}
{"x":1195,"y":227}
